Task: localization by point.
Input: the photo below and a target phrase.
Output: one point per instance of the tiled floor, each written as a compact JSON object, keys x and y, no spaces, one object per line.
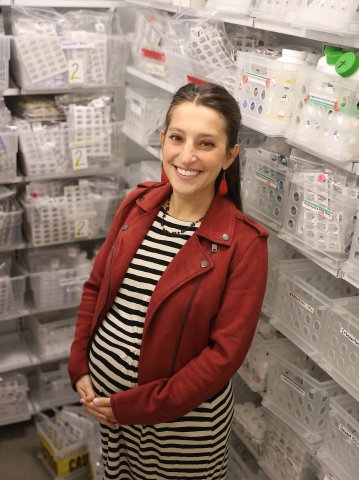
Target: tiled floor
{"x":18,"y":453}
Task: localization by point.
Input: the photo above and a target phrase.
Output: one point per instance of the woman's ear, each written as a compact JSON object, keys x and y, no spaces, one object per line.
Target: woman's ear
{"x":162,"y":138}
{"x":232,"y":155}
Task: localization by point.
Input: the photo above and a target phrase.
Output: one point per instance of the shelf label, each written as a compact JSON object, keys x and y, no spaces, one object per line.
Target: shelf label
{"x":292,"y":384}
{"x":78,"y":45}
{"x":319,"y":210}
{"x":321,"y":100}
{"x":79,"y":158}
{"x":272,"y":182}
{"x":300,"y":301}
{"x":82,"y":228}
{"x":198,"y":81}
{"x":350,"y":337}
{"x":66,"y":282}
{"x":147,"y":53}
{"x":256,"y":78}
{"x":197,"y":32}
{"x":349,"y":435}
{"x":155,"y":69}
{"x":76,"y":72}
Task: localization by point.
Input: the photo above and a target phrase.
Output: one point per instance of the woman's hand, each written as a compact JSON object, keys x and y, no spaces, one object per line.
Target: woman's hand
{"x":102,"y":405}
{"x":87,"y":394}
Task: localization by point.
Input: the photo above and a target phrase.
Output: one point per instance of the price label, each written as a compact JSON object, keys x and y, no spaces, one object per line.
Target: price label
{"x":79,"y":158}
{"x":155,"y":69}
{"x":82,"y":228}
{"x":197,"y":32}
{"x":76,"y":72}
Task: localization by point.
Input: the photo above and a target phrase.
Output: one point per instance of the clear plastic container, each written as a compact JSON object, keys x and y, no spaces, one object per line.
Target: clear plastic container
{"x":4,"y":62}
{"x":150,"y":60}
{"x":8,"y":152}
{"x":332,"y":16}
{"x":12,"y":291}
{"x":78,"y":59}
{"x":52,"y":151}
{"x":266,"y":92}
{"x":10,"y":226}
{"x":14,"y":404}
{"x":230,"y":6}
{"x":50,"y":335}
{"x":320,"y":214}
{"x":265,"y":185}
{"x":325,"y":117}
{"x":286,"y":456}
{"x":304,"y":296}
{"x":340,"y":343}
{"x":145,"y":115}
{"x":351,"y":266}
{"x":271,"y":11}
{"x":298,"y":392}
{"x":340,"y":445}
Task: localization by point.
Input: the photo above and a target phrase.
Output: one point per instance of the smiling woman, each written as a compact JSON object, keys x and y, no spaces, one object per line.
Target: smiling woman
{"x":169,"y":311}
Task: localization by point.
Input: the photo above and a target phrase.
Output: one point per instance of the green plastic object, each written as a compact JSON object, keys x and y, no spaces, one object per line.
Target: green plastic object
{"x":332,"y":54}
{"x":347,"y":64}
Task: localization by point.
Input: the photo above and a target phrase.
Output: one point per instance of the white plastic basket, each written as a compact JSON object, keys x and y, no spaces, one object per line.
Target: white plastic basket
{"x":14,"y":405}
{"x":61,"y":150}
{"x":10,"y":228}
{"x":325,"y":117}
{"x":8,"y":151}
{"x":12,"y":291}
{"x":298,"y":392}
{"x":304,"y":297}
{"x":4,"y":62}
{"x":340,"y":446}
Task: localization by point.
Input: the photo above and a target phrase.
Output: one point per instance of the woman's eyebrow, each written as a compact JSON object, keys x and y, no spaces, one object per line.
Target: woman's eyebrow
{"x":213,"y":135}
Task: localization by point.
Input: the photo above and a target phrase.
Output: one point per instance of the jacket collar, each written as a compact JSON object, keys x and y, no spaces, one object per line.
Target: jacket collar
{"x":218,"y":223}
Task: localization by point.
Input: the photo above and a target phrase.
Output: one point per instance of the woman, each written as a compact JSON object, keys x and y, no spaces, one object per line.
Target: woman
{"x":172,"y":303}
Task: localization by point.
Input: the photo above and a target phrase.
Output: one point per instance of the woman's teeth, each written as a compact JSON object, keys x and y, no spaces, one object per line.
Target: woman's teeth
{"x":187,"y":173}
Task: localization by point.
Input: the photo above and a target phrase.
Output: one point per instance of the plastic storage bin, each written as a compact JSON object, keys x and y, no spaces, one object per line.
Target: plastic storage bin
{"x":56,"y":276}
{"x":298,"y":392}
{"x":242,"y":464}
{"x":52,"y":387}
{"x":8,"y":151}
{"x":351,"y":266}
{"x":340,"y":344}
{"x":14,"y":405}
{"x":54,"y":151}
{"x":304,"y":296}
{"x":325,"y":117}
{"x":77,"y":59}
{"x":286,"y":456}
{"x":12,"y":291}
{"x":265,"y":186}
{"x":10,"y":223}
{"x":340,"y":17}
{"x":4,"y":62}
{"x":340,"y":446}
{"x":145,"y":115}
{"x":151,"y":60}
{"x":271,"y":11}
{"x":249,"y":424}
{"x":50,"y":335}
{"x":265,"y":91}
{"x":321,"y":214}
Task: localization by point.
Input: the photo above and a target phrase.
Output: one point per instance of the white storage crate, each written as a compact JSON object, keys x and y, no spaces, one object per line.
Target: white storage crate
{"x":249,"y":424}
{"x":53,"y":151}
{"x":351,"y":266}
{"x":340,"y":344}
{"x":277,"y":250}
{"x":230,"y":6}
{"x":4,"y":62}
{"x":265,"y":186}
{"x":50,"y":335}
{"x":321,"y":214}
{"x":271,"y":11}
{"x":63,"y":447}
{"x":298,"y":392}
{"x":335,"y":16}
{"x":14,"y":404}
{"x":8,"y":151}
{"x":304,"y":297}
{"x":52,"y":387}
{"x":10,"y":223}
{"x":76,"y":59}
{"x":325,"y":117}
{"x":266,"y":92}
{"x":286,"y":456}
{"x":340,"y":446}
{"x":12,"y":291}
{"x":145,"y":115}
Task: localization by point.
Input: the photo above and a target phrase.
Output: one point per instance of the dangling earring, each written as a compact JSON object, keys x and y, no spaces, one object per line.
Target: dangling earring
{"x":223,"y":187}
{"x":164,"y":178}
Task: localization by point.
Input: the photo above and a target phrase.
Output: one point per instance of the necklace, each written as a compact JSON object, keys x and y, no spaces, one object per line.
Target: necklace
{"x":164,"y":212}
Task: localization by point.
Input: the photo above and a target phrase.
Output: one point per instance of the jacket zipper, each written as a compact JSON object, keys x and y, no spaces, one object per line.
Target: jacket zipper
{"x":104,"y":303}
{"x":183,"y":321}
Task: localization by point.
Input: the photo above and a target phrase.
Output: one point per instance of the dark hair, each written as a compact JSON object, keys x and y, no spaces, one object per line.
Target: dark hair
{"x":216,"y":97}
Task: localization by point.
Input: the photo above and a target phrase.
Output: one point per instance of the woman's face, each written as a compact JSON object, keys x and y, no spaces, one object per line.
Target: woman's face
{"x":194,"y":150}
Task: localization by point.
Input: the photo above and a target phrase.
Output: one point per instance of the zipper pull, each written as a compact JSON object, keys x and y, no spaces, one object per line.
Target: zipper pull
{"x":214,"y":248}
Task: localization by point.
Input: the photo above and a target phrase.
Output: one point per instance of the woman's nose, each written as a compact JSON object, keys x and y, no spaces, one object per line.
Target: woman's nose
{"x":188,"y":154}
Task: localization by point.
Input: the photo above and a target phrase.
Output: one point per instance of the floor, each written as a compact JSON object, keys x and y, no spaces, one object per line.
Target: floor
{"x":18,"y":453}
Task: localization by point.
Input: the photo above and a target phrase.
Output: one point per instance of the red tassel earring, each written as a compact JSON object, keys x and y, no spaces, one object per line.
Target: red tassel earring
{"x":223,"y":187}
{"x":164,"y":178}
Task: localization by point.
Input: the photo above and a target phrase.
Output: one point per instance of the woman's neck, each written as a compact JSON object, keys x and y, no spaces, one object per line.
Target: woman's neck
{"x":188,"y":209}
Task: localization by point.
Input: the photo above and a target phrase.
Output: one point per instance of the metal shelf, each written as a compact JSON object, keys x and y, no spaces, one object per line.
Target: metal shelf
{"x":130,"y":70}
{"x":155,"y":151}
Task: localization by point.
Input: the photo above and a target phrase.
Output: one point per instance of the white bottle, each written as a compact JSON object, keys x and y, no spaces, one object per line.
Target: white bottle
{"x":327,"y":62}
{"x":296,"y":57}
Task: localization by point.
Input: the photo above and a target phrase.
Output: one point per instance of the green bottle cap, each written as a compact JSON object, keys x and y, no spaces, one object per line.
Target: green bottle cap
{"x":332,"y":53}
{"x":347,"y":64}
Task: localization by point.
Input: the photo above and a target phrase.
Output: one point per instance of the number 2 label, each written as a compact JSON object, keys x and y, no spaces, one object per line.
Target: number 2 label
{"x":76,"y":72}
{"x":79,"y":158}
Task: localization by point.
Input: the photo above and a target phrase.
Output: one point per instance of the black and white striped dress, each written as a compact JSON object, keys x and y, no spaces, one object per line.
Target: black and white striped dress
{"x":194,"y":446}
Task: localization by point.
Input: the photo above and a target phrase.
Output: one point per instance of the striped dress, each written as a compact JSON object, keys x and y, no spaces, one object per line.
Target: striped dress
{"x":194,"y":446}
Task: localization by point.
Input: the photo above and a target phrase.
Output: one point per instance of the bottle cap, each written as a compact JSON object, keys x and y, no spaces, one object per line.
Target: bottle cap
{"x":347,"y":64}
{"x":332,"y":53}
{"x":301,"y":55}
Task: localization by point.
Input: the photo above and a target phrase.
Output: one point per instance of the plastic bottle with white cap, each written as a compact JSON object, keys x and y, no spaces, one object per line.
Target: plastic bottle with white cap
{"x":297,"y":57}
{"x":327,"y":62}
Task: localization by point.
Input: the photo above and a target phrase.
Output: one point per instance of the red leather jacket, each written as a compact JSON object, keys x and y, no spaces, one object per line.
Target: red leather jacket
{"x":202,"y":315}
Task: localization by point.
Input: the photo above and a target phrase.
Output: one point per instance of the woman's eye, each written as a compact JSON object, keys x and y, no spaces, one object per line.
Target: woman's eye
{"x":208,"y":144}
{"x":175,"y":138}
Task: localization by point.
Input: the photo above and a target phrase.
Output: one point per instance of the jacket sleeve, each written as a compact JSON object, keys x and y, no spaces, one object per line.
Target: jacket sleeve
{"x":170,"y":398}
{"x":78,"y":364}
